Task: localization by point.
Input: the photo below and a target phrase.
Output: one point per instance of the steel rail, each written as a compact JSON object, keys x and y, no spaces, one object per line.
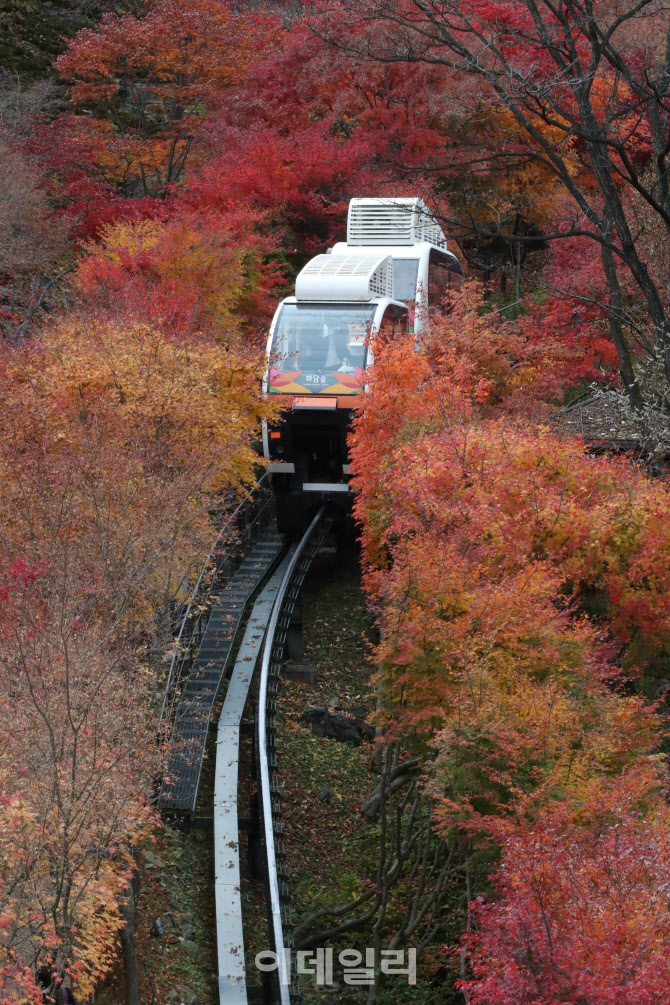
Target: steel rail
{"x":265,"y":791}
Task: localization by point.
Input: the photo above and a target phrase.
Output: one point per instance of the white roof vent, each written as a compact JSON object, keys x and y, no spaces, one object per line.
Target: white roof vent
{"x":392,"y":221}
{"x":345,"y":277}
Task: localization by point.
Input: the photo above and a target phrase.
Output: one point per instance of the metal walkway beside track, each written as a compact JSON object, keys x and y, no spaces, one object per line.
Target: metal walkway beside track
{"x":229,"y":933}
{"x":179,"y":790}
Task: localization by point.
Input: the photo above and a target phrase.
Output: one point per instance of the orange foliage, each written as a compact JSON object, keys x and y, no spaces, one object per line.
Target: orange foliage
{"x":134,"y":434}
{"x":481,"y":532}
{"x":77,"y":751}
{"x":151,"y":78}
{"x":485,"y":533}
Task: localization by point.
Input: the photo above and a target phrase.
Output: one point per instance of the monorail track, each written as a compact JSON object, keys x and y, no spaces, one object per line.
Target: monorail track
{"x":259,"y":661}
{"x":285,"y":985}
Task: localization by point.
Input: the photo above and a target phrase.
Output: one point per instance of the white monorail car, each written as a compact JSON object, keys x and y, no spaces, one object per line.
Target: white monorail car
{"x":393,"y":267}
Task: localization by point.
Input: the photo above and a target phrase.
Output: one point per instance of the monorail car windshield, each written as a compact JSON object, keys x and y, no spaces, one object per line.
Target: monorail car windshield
{"x":320,"y":348}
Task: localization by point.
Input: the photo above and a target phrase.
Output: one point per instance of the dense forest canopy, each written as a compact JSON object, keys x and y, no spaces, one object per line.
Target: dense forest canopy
{"x":167,"y":168}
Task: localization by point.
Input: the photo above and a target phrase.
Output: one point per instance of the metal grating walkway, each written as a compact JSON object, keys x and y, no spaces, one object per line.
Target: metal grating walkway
{"x":180,"y":786}
{"x":229,"y":932}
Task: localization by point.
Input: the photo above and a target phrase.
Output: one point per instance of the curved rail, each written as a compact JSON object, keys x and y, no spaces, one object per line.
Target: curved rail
{"x":265,"y":789}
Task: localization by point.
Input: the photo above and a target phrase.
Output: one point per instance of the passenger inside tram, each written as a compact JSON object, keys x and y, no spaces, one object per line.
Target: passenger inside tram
{"x":346,"y":366}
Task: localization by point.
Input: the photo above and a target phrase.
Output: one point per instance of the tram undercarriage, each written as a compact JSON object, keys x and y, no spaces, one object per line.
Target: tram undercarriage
{"x":315,"y":440}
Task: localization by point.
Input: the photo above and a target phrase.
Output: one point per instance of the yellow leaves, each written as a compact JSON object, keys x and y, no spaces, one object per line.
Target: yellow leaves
{"x":133,"y":372}
{"x":528,"y":187}
{"x":135,"y":432}
{"x":121,"y":240}
{"x":194,"y":268}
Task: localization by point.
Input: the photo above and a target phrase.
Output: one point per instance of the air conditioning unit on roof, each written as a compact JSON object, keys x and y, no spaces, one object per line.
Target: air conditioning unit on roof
{"x":392,"y":221}
{"x":345,"y":277}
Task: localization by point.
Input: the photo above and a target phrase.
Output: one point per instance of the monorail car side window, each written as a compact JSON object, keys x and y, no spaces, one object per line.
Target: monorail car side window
{"x":394,"y":322}
{"x":439,"y":276}
{"x":444,"y":274}
{"x":405,"y":273}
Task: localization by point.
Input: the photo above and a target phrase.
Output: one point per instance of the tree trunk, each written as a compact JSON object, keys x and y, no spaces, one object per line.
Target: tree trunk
{"x":616,"y":330}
